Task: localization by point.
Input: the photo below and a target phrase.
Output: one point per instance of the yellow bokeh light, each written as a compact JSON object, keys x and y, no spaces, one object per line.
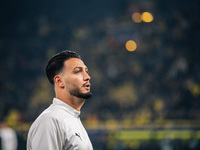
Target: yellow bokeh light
{"x":136,"y":17}
{"x":131,"y":45}
{"x":147,"y":17}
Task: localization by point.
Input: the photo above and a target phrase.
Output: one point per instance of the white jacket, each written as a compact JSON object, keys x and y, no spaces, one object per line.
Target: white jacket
{"x":58,"y":128}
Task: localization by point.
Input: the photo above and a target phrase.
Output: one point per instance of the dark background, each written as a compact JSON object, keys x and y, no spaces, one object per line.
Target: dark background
{"x":160,"y":80}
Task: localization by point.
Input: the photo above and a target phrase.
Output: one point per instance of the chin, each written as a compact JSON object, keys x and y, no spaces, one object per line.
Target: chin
{"x":79,"y":94}
{"x":85,"y":95}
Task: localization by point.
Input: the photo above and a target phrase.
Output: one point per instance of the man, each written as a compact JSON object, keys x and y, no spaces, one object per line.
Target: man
{"x":8,"y":137}
{"x":59,"y":126}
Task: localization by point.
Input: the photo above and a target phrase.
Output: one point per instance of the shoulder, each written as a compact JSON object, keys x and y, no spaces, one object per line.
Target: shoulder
{"x":52,"y":117}
{"x":47,"y":118}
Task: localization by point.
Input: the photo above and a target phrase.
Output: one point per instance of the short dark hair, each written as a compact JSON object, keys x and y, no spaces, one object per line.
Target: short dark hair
{"x":56,"y":63}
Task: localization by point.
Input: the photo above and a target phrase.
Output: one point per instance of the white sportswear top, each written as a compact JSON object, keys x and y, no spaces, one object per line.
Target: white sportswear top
{"x":58,"y":128}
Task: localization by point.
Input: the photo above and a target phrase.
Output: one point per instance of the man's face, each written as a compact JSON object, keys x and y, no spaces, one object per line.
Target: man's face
{"x":77,"y":80}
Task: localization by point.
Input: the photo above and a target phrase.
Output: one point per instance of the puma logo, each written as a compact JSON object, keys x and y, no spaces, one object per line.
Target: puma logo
{"x":78,"y":134}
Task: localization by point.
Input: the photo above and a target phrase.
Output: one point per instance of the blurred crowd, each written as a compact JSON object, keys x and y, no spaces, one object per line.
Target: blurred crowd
{"x":159,"y":80}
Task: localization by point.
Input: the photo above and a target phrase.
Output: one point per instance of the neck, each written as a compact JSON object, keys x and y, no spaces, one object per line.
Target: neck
{"x":72,"y":101}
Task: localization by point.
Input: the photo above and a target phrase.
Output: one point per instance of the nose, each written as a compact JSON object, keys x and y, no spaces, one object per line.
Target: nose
{"x":86,"y":77}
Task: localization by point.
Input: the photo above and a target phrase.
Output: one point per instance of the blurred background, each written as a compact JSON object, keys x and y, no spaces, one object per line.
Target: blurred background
{"x":143,"y":57}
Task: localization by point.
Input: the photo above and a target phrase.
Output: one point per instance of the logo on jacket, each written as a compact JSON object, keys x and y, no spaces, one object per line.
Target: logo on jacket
{"x":78,"y":134}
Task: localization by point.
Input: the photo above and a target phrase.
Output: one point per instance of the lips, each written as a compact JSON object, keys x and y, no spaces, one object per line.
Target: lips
{"x":87,"y":86}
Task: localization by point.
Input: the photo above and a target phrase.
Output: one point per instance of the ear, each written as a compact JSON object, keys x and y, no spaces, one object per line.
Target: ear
{"x":58,"y":80}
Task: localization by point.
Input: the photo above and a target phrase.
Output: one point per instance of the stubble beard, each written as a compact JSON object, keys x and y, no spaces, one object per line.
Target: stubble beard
{"x":76,"y":92}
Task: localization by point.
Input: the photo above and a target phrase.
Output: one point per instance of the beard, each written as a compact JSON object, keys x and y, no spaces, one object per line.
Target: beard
{"x":76,"y":92}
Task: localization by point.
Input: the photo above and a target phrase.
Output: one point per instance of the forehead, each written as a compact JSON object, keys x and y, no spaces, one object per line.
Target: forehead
{"x":72,"y":63}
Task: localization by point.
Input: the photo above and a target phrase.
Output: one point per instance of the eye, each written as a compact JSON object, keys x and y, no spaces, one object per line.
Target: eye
{"x":87,"y":71}
{"x":76,"y":71}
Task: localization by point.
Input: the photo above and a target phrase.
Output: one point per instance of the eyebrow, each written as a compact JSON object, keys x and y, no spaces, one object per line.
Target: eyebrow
{"x":80,"y":68}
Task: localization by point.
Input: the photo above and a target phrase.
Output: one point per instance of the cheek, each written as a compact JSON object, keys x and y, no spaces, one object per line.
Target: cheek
{"x":76,"y":79}
{"x":73,"y":82}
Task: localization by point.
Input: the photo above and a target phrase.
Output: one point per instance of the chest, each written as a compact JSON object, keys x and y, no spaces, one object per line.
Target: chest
{"x":76,"y":136}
